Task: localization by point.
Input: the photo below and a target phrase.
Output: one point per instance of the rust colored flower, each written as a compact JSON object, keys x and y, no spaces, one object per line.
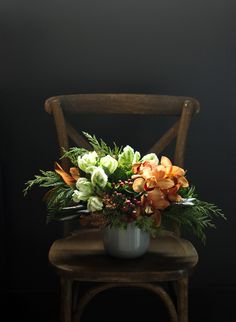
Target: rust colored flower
{"x":161,"y":182}
{"x":69,"y":179}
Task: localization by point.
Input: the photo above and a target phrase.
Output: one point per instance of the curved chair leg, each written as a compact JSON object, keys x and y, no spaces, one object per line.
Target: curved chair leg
{"x":182,"y":299}
{"x":66,"y":300}
{"x":91,"y":293}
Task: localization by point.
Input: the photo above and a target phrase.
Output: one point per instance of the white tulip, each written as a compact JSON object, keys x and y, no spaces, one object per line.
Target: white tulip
{"x":136,"y":157}
{"x":80,"y":196}
{"x":109,"y":163}
{"x":127,"y":156}
{"x":99,"y":177}
{"x":87,"y":161}
{"x":84,"y":185}
{"x":94,"y":204}
{"x":150,"y":156}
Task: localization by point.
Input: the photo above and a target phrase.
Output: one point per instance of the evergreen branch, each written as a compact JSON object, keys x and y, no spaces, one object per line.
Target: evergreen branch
{"x":46,"y":179}
{"x":195,"y":218}
{"x":73,"y":153}
{"x":58,"y":198}
{"x":101,"y":147}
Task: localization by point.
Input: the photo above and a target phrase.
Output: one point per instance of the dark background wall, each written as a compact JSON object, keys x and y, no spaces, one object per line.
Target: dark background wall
{"x":166,"y":47}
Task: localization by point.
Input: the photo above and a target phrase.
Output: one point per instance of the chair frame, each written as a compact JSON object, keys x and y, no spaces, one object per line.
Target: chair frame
{"x":132,"y":104}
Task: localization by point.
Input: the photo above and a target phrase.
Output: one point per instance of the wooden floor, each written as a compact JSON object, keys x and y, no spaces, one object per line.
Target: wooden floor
{"x":210,"y":305}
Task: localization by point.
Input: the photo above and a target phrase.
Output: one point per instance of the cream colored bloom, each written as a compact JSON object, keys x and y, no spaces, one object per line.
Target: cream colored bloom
{"x":80,"y":196}
{"x":84,"y":185}
{"x":128,"y":156}
{"x":94,"y":204}
{"x":87,"y":161}
{"x":109,"y":163}
{"x":150,"y":156}
{"x":99,"y":177}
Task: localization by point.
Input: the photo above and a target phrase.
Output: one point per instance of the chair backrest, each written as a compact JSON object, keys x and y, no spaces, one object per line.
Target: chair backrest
{"x":128,"y":104}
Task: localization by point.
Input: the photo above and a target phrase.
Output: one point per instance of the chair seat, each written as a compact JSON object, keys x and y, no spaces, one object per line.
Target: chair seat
{"x":81,"y":257}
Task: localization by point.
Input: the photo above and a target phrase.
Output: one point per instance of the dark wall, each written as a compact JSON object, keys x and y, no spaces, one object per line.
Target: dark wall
{"x":166,"y":47}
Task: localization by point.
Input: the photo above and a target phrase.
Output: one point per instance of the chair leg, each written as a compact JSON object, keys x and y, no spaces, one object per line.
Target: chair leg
{"x":66,"y":300}
{"x":182,"y":299}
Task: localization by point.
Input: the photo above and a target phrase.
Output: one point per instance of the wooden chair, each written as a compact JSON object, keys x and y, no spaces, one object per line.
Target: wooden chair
{"x":79,"y":258}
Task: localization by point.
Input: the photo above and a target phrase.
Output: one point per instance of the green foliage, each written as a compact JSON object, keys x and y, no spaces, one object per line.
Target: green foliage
{"x":189,"y":192}
{"x":101,"y":147}
{"x":58,"y":198}
{"x":147,"y":224}
{"x":46,"y":179}
{"x":195,"y":218}
{"x":73,"y":153}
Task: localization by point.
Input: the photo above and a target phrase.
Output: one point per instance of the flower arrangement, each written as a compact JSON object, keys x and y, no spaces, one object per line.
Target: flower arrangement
{"x":116,"y":186}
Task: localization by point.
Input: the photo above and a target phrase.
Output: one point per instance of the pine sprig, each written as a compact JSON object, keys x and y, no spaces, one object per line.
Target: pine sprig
{"x":46,"y":179}
{"x":73,"y":153}
{"x":196,"y":218}
{"x":101,"y":147}
{"x":58,"y":198}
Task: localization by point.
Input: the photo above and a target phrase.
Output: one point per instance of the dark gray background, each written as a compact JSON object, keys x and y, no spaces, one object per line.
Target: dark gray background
{"x":166,"y":47}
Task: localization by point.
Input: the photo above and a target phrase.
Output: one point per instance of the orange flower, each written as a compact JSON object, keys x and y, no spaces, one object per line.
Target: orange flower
{"x":161,"y":182}
{"x":69,"y":179}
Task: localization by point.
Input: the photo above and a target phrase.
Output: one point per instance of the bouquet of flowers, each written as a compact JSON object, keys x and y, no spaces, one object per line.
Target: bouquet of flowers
{"x":115,"y":186}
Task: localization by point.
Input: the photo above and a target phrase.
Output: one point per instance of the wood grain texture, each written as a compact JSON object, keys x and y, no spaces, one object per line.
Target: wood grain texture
{"x":121,"y":104}
{"x":82,"y":257}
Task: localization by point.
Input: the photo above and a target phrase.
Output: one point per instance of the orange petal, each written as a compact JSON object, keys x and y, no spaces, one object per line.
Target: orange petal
{"x":136,"y":167}
{"x":168,"y":169}
{"x":183,"y":182}
{"x":159,"y":172}
{"x":177,"y":171}
{"x":74,"y":173}
{"x":65,"y":176}
{"x":165,"y":183}
{"x":174,"y":197}
{"x":156,"y":199}
{"x":150,"y":184}
{"x":138,"y":185}
{"x":166,"y":162}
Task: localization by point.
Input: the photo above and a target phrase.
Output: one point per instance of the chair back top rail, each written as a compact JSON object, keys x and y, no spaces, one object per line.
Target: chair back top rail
{"x":121,"y":104}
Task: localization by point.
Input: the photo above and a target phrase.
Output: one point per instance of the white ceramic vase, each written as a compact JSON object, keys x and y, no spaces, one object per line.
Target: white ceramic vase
{"x":126,"y":243}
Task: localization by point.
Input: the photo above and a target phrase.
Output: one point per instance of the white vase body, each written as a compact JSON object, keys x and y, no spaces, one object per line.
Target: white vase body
{"x":126,"y":243}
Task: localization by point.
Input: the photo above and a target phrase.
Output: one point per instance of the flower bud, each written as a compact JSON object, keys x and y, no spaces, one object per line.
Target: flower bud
{"x":79,"y":196}
{"x":87,"y":161}
{"x":84,"y":185}
{"x":150,"y":156}
{"x":99,"y":177}
{"x":136,"y":157}
{"x":127,"y":156}
{"x":94,"y":204}
{"x":109,"y":163}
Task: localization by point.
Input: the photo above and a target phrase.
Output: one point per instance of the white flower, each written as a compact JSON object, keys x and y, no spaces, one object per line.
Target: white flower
{"x":87,"y":161}
{"x":150,"y":156}
{"x":126,"y":157}
{"x":94,"y":204}
{"x":84,"y":185}
{"x":79,"y":196}
{"x":109,"y":163}
{"x":136,"y":157}
{"x":99,"y":177}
